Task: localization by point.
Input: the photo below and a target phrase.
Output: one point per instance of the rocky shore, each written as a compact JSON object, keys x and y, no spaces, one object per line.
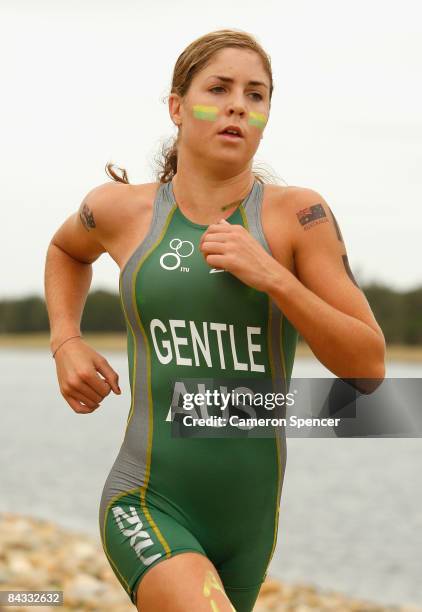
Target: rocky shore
{"x":36,"y":554}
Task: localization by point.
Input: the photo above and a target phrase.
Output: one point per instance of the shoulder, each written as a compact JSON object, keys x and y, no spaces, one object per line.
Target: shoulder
{"x":285,"y":198}
{"x":106,"y":216}
{"x":287,"y":204}
{"x":115,"y":192}
{"x":99,"y":203}
{"x":114,"y":195}
{"x":301,"y":208}
{"x":289,"y":198}
{"x":109,"y":205}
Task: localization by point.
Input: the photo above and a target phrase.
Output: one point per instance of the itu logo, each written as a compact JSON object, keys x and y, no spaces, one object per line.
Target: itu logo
{"x":181,"y":248}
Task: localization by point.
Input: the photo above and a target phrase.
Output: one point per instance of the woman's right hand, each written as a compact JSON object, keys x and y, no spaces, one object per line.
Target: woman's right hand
{"x":78,"y":367}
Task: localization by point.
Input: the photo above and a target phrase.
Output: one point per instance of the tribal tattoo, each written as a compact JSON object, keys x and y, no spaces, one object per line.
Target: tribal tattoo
{"x":339,"y":236}
{"x":87,"y":217}
{"x":348,"y":270}
{"x":312,"y":215}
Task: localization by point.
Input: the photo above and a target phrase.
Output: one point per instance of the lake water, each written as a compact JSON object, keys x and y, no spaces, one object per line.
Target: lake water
{"x":351,"y":509}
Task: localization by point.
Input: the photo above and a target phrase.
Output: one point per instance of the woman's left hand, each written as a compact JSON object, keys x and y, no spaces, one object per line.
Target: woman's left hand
{"x":233,"y":248}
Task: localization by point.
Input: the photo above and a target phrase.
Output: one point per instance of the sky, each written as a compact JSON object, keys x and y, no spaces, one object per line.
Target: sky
{"x":84,"y":84}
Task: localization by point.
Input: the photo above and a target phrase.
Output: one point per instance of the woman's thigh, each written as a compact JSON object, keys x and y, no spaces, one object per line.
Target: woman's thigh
{"x":146,"y":546}
{"x":187,"y":582}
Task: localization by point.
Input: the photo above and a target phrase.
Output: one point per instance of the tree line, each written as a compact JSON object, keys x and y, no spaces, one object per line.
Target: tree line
{"x":399,"y":314}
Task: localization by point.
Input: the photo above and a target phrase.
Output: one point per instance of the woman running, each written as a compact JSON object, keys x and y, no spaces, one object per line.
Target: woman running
{"x":219,"y":272}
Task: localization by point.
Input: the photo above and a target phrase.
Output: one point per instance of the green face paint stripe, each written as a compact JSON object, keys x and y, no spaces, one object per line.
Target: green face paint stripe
{"x":257,"y":119}
{"x":205,"y":116}
{"x":208,"y":113}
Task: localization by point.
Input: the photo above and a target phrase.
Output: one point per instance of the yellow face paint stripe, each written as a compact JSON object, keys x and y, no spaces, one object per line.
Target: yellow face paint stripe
{"x":208,"y":113}
{"x":257,"y":119}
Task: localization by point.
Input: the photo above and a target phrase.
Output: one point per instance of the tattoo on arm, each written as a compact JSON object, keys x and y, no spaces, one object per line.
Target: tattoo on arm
{"x":348,"y":270}
{"x":87,"y":217}
{"x":339,"y":236}
{"x":312,"y":215}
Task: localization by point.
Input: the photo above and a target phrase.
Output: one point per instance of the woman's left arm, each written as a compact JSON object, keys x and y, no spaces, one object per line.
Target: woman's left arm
{"x":324,"y":303}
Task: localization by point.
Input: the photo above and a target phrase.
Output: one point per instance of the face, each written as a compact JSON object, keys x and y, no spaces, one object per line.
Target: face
{"x":211,"y":104}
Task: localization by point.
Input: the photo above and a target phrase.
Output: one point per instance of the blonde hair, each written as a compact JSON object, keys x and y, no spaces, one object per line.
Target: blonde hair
{"x":193,"y":59}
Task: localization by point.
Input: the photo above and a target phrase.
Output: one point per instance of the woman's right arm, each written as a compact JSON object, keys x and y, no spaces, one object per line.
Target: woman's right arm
{"x":67,"y":279}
